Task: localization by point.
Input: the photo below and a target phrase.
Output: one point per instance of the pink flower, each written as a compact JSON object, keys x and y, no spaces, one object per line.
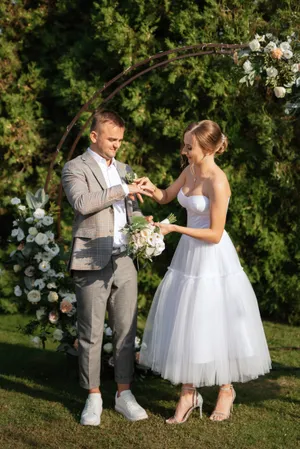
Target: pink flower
{"x":276,"y":53}
{"x":66,"y":306}
{"x":53,"y":317}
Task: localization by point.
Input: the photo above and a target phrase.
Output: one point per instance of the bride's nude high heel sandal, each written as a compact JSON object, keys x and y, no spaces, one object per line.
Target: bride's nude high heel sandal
{"x":220,"y":416}
{"x":197,"y":402}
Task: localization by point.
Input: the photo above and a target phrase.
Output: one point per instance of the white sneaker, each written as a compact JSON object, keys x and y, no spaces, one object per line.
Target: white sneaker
{"x":91,"y":413}
{"x":127,"y":405}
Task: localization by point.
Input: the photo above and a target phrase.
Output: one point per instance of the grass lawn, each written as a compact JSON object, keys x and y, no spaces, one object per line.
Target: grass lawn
{"x":40,"y":403}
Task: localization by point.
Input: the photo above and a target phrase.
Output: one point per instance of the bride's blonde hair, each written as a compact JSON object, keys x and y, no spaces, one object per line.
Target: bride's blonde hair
{"x":210,"y":137}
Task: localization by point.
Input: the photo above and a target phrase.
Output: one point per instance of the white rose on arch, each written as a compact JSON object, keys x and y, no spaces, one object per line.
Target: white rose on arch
{"x":279,"y":92}
{"x":284,"y":46}
{"x":272,"y":72}
{"x":271,"y":46}
{"x":254,"y":45}
{"x":247,"y":66}
{"x":288,"y":54}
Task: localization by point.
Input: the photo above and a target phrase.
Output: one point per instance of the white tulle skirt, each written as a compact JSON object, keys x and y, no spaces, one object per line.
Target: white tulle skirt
{"x":204,"y":326}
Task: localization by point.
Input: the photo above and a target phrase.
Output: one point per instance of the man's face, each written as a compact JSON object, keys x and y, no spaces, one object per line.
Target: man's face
{"x":107,"y":140}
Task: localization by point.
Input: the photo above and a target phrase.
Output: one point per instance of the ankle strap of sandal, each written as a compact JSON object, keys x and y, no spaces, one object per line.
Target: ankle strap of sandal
{"x":188,"y":388}
{"x":227,"y":388}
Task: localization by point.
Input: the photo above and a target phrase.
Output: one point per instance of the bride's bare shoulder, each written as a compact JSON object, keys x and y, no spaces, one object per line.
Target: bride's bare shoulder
{"x":220,"y":182}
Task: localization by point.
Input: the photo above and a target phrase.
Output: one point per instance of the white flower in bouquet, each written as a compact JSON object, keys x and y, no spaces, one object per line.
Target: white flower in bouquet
{"x":284,"y":46}
{"x":16,"y":222}
{"x":17,"y":268}
{"x":47,"y":220}
{"x":29,"y":220}
{"x":144,"y":239}
{"x":34,"y":296}
{"x":29,"y":238}
{"x":59,"y":275}
{"x":288,"y":54}
{"x":18,"y":291}
{"x":52,"y":297}
{"x":40,"y":313}
{"x":270,"y":47}
{"x":108,"y":347}
{"x":51,"y":285}
{"x":295,"y":68}
{"x":21,"y":207}
{"x":254,"y":45}
{"x":41,"y":239}
{"x":44,"y":266}
{"x":247,"y":66}
{"x":36,"y":341}
{"x":39,"y":283}
{"x":39,"y":213}
{"x":29,"y":271}
{"x":33,"y":231}
{"x":50,"y":235}
{"x":53,"y":317}
{"x":272,"y":72}
{"x":279,"y":92}
{"x":108,"y":332}
{"x":15,"y":201}
{"x":58,"y":334}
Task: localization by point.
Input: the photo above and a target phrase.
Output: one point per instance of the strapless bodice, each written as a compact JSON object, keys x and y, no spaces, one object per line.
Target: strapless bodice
{"x":198,"y":209}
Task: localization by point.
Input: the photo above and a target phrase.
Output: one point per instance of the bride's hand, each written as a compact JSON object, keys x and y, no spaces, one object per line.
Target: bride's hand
{"x":145,"y":184}
{"x":165,"y":228}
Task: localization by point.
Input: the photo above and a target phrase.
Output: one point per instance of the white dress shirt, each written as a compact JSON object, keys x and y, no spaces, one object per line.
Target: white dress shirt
{"x":112,"y":178}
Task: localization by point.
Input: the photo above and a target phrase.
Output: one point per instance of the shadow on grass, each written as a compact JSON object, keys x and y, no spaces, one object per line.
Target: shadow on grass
{"x":47,"y":375}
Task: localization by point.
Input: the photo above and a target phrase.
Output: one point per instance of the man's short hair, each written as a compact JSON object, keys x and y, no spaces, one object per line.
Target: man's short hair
{"x":102,"y":116}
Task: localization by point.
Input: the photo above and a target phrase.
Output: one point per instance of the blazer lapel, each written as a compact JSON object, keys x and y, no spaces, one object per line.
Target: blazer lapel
{"x":90,"y":161}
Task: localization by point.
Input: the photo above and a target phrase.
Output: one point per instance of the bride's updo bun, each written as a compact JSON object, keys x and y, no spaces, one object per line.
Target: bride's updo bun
{"x":210,"y":137}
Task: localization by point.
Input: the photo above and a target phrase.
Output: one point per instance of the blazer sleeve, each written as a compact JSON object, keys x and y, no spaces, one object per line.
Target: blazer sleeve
{"x":81,"y":199}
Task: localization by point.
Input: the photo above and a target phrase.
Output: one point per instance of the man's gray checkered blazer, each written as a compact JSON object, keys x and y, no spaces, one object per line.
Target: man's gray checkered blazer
{"x":92,"y":202}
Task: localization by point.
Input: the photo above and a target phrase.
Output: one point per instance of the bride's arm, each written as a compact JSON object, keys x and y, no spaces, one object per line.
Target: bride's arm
{"x":218,"y":210}
{"x":163,"y":196}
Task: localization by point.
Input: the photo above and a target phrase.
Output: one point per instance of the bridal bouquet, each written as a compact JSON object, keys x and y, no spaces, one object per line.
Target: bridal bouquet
{"x":144,"y":239}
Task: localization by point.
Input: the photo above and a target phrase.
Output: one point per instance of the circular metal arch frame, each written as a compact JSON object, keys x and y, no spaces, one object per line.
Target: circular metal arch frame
{"x":189,"y":51}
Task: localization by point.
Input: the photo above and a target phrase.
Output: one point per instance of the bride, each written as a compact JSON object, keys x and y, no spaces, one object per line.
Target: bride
{"x":204,"y":326}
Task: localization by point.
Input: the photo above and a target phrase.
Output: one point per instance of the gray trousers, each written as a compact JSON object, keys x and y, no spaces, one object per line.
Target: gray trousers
{"x":113,"y":288}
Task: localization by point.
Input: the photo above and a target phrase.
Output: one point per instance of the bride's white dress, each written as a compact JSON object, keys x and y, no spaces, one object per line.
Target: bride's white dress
{"x":204,"y":326}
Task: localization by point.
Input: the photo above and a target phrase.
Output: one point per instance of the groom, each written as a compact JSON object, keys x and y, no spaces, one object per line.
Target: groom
{"x":105,"y":277}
